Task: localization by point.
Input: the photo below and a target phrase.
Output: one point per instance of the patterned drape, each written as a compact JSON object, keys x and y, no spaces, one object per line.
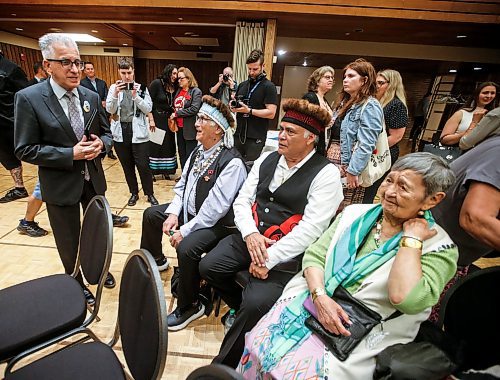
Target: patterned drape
{"x":249,"y":36}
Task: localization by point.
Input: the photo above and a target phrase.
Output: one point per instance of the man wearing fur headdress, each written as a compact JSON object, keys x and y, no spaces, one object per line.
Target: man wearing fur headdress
{"x":200,"y":215}
{"x":285,"y":205}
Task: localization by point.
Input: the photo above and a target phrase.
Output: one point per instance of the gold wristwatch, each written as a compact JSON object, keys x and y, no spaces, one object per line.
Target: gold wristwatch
{"x":317,"y":292}
{"x":410,"y":242}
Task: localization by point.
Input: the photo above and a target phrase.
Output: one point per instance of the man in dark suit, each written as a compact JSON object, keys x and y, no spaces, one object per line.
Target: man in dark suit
{"x":62,"y":127}
{"x":40,"y":74}
{"x":97,"y":85}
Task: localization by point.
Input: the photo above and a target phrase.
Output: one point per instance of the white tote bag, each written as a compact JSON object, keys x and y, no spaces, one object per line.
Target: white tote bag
{"x":380,"y":159}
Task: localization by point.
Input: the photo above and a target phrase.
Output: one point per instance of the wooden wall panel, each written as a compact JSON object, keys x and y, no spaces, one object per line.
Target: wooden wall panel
{"x":106,"y":67}
{"x":13,"y":53}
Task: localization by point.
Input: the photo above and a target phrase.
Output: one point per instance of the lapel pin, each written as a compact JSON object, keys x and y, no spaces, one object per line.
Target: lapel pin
{"x":86,"y":106}
{"x":206,"y":178}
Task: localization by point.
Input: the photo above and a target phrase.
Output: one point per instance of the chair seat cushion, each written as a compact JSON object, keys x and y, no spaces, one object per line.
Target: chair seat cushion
{"x":38,"y":310}
{"x":95,"y":361}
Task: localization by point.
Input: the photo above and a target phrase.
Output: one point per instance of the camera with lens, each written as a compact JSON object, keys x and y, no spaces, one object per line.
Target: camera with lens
{"x":238,"y":102}
{"x":225,"y":77}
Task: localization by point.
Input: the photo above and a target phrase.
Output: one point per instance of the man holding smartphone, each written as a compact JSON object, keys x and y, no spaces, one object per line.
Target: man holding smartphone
{"x":129,"y":103}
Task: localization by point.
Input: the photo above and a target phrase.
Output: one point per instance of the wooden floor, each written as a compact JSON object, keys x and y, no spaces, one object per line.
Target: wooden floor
{"x":23,"y":258}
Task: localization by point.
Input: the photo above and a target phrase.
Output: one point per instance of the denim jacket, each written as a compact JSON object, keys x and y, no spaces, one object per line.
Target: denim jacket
{"x":362,"y":128}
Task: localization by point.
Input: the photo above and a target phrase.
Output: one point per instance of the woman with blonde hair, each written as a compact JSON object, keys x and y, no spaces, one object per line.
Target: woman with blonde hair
{"x":187,"y":103}
{"x":392,"y":98}
{"x":358,"y":123}
{"x":321,"y":82}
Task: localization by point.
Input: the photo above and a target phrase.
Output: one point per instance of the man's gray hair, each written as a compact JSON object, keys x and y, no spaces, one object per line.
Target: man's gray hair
{"x":48,"y":41}
{"x":309,"y":133}
{"x":435,"y":171}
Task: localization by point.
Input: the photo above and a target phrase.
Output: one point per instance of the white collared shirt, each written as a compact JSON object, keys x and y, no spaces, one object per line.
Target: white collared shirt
{"x":63,"y":101}
{"x":323,"y":199}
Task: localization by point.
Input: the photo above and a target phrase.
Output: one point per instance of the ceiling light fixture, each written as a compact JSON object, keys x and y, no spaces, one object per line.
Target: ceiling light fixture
{"x":453,"y":71}
{"x":281,"y":52}
{"x":477,"y":68}
{"x":94,"y":31}
{"x":125,"y":44}
{"x":461,"y":36}
{"x":20,"y":29}
{"x":305,"y":63}
{"x":180,"y":19}
{"x":188,"y":33}
{"x":195,"y":35}
{"x":13,"y":14}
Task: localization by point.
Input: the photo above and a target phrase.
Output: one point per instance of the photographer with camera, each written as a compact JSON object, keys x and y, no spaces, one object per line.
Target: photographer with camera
{"x":225,"y":87}
{"x":128,"y":103}
{"x":255,"y":104}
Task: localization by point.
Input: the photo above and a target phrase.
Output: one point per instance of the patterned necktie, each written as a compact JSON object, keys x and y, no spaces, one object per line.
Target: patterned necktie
{"x":74,"y":116}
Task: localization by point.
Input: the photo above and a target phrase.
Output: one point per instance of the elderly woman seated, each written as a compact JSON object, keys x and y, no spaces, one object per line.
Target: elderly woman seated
{"x":391,"y":256}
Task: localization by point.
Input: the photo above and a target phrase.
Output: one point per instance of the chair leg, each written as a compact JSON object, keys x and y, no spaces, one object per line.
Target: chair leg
{"x":217,"y":298}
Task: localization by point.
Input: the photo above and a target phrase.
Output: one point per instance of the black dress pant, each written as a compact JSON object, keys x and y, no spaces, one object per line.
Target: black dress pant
{"x":65,"y":224}
{"x":152,"y":233}
{"x":219,"y":267}
{"x":132,"y":156}
{"x":185,"y":147}
{"x":250,"y":149}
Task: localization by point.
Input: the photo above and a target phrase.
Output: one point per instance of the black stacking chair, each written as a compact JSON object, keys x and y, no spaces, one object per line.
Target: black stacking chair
{"x":215,"y":372}
{"x":34,"y":313}
{"x":142,"y":315}
{"x":470,"y":312}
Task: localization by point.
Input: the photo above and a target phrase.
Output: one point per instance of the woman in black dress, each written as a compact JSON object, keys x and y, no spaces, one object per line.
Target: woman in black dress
{"x":163,"y":158}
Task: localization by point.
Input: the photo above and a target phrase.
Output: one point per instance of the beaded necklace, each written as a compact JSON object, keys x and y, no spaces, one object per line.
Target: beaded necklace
{"x":199,"y":167}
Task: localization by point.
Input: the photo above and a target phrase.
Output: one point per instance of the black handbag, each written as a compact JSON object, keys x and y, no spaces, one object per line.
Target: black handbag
{"x":363,"y":320}
{"x":449,"y":153}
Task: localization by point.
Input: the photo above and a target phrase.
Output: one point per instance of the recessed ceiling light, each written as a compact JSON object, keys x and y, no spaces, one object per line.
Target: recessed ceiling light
{"x":461,"y":36}
{"x":188,"y":33}
{"x":125,"y":44}
{"x":20,"y":29}
{"x":83,"y":37}
{"x":195,"y":35}
{"x":55,"y":30}
{"x":281,"y":52}
{"x":180,"y":19}
{"x":94,"y":31}
{"x":13,"y":14}
{"x":477,"y":68}
{"x":305,"y":63}
{"x":348,"y":34}
{"x":453,"y":71}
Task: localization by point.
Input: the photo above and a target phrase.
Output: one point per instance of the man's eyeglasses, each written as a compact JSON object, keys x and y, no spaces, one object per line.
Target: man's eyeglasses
{"x":202,"y":119}
{"x":382,"y":82}
{"x":68,"y":63}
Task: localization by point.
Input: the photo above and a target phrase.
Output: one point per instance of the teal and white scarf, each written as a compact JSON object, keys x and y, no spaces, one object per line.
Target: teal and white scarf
{"x":342,"y":267}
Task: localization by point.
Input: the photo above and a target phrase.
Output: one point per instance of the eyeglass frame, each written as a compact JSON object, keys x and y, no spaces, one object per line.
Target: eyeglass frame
{"x":178,"y":79}
{"x":381,"y":82}
{"x":80,"y":65}
{"x":203,"y":119}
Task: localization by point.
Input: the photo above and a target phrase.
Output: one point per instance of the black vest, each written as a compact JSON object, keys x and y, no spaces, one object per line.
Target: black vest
{"x":276,"y":214}
{"x":208,"y":179}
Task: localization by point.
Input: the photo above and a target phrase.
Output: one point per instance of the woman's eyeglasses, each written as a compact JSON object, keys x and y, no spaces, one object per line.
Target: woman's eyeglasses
{"x":181,"y":78}
{"x":382,"y":82}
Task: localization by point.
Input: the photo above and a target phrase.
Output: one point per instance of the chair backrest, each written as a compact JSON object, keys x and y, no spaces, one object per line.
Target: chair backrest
{"x":470,"y":312}
{"x":96,"y":240}
{"x":142,"y":316}
{"x":215,"y":372}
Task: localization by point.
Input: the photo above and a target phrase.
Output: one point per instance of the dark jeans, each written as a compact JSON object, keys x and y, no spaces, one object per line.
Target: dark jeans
{"x":132,"y":156}
{"x":250,"y":149}
{"x":185,"y":147}
{"x":219,"y":267}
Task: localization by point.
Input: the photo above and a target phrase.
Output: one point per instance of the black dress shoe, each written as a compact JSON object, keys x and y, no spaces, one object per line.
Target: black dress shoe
{"x":152,"y":200}
{"x":111,"y":155}
{"x":89,"y":296}
{"x":119,"y":220}
{"x":110,"y":282}
{"x":133,"y":200}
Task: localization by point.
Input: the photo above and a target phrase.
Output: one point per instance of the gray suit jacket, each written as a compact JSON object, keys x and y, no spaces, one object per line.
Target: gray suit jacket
{"x":43,"y":136}
{"x":189,"y":112}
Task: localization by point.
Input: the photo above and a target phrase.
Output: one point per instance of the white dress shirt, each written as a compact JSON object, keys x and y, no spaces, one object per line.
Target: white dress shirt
{"x":219,"y":199}
{"x":323,"y":199}
{"x":63,"y":101}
